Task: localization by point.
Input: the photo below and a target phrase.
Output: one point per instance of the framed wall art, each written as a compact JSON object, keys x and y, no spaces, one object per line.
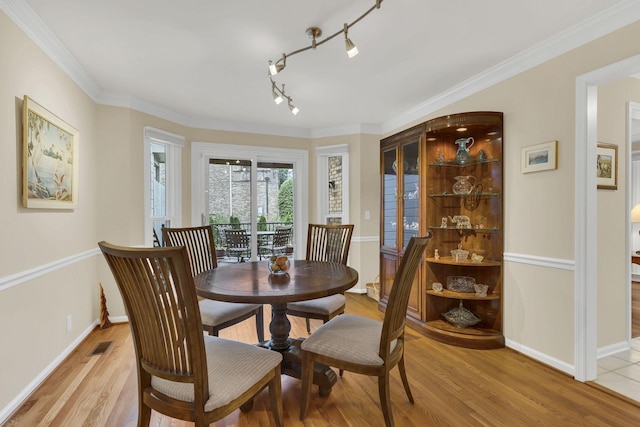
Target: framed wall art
{"x":607,"y":166}
{"x":539,"y":157}
{"x":49,"y":159}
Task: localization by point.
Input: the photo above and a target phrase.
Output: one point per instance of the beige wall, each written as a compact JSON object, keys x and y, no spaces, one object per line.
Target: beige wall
{"x":47,"y":267}
{"x":38,"y":290}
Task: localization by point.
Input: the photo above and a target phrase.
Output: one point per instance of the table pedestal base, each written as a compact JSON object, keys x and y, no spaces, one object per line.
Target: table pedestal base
{"x":323,"y":376}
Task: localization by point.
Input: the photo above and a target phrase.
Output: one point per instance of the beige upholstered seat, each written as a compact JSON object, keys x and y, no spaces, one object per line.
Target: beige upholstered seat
{"x":216,"y":315}
{"x":329,"y":243}
{"x":182,"y":373}
{"x":364,"y":345}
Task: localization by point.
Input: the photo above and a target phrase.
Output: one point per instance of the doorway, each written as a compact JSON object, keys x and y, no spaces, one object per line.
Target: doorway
{"x":586,"y":242}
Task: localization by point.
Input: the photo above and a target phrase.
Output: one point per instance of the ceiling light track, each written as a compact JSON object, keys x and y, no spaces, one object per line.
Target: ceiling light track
{"x":313,"y":33}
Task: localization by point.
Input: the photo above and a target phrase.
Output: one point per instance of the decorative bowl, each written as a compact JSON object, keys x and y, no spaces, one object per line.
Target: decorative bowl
{"x":278,"y":265}
{"x":460,"y":317}
{"x":461,"y":284}
{"x":459,"y":255}
{"x":476,"y":258}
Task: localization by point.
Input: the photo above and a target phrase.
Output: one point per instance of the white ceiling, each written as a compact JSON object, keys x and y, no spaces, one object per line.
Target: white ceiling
{"x":203,"y":63}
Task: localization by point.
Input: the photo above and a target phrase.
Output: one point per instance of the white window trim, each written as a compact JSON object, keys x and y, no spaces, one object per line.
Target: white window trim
{"x":322,"y":184}
{"x":201,"y":152}
{"x":174,"y":144}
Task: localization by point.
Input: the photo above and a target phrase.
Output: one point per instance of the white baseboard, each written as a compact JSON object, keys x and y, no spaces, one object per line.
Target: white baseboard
{"x":542,"y":357}
{"x":8,"y":410}
{"x":612,"y":349}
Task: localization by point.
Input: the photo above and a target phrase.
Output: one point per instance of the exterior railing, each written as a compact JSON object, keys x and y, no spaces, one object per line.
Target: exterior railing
{"x":262,"y":226}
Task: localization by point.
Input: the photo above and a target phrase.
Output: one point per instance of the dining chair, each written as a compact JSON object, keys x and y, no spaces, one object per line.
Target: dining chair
{"x":238,"y":243}
{"x":367,"y":346}
{"x":183,"y":373}
{"x":328,"y":243}
{"x":216,"y":315}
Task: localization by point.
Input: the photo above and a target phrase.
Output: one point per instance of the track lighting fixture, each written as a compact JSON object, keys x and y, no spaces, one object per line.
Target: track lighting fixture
{"x":313,"y":33}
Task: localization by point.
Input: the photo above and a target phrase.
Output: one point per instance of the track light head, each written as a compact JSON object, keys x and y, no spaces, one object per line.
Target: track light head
{"x":352,"y":50}
{"x":277,"y":93}
{"x":277,"y":67}
{"x":294,"y":110}
{"x":277,"y":98}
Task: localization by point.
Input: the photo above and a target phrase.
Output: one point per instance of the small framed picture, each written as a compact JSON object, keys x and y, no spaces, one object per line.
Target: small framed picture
{"x":539,"y":157}
{"x":607,"y":166}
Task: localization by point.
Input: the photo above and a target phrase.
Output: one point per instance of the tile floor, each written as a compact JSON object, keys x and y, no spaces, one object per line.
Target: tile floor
{"x":621,"y":372}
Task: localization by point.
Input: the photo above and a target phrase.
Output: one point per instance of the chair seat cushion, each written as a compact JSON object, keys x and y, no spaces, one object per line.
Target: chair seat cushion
{"x":325,"y":305}
{"x":233,"y":368}
{"x":214,"y":312}
{"x":348,"y":337}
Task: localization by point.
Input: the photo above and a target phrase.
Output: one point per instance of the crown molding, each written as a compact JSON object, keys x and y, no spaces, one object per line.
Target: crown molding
{"x":621,"y":14}
{"x":614,"y":18}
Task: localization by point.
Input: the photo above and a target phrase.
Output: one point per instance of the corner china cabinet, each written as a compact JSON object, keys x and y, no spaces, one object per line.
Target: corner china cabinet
{"x":444,"y":177}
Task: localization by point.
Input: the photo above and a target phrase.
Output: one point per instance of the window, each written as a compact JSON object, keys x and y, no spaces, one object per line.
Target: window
{"x":162,"y":171}
{"x":333,"y":184}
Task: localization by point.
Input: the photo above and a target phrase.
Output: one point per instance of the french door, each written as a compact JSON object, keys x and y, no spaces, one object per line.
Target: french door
{"x":250,"y":188}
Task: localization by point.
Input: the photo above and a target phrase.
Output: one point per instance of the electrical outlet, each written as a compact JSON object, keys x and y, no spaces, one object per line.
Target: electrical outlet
{"x":69,"y":324}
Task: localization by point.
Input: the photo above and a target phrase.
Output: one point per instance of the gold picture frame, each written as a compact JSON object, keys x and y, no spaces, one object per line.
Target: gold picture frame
{"x":607,"y":167}
{"x":49,"y":159}
{"x":539,"y":157}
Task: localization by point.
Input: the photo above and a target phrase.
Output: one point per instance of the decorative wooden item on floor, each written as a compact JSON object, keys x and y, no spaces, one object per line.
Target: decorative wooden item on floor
{"x":104,"y":313}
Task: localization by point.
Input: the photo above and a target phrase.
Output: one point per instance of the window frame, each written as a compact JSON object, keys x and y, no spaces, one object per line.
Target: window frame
{"x":173,"y":163}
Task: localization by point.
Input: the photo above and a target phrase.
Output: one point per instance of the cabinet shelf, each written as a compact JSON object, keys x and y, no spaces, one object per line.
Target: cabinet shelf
{"x":471,"y":162}
{"x":445,"y":293}
{"x":466,"y":230}
{"x":464,"y":196}
{"x":447,"y":260}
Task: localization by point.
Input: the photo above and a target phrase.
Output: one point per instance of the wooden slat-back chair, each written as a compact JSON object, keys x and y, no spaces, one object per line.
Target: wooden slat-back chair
{"x":328,"y":243}
{"x":364,"y":345}
{"x":181,"y":372}
{"x":216,"y":315}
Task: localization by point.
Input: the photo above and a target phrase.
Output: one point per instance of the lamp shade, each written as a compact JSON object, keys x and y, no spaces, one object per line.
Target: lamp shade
{"x":635,"y":213}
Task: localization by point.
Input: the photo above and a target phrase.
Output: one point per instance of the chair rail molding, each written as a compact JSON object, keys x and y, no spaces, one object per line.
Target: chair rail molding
{"x":27,"y":275}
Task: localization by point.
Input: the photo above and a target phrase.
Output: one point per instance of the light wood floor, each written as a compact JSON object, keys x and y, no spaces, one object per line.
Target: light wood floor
{"x":451,"y":387}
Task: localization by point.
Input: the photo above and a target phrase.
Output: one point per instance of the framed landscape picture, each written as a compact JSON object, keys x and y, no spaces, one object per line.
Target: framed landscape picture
{"x":607,"y":166}
{"x":49,"y":159}
{"x":539,"y":157}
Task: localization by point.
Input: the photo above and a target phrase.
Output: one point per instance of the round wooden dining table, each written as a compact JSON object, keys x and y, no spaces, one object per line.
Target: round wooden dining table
{"x":251,"y":282}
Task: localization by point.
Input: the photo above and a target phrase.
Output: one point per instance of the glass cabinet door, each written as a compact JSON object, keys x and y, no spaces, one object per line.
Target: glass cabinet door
{"x":389,"y":198}
{"x":410,"y":192}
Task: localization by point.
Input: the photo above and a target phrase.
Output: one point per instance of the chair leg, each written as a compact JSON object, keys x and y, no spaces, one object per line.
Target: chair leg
{"x":405,"y":380}
{"x":308,"y":325}
{"x":260,"y":324}
{"x":144,"y":413}
{"x":307,"y":380}
{"x":385,"y":399}
{"x":275,"y":397}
